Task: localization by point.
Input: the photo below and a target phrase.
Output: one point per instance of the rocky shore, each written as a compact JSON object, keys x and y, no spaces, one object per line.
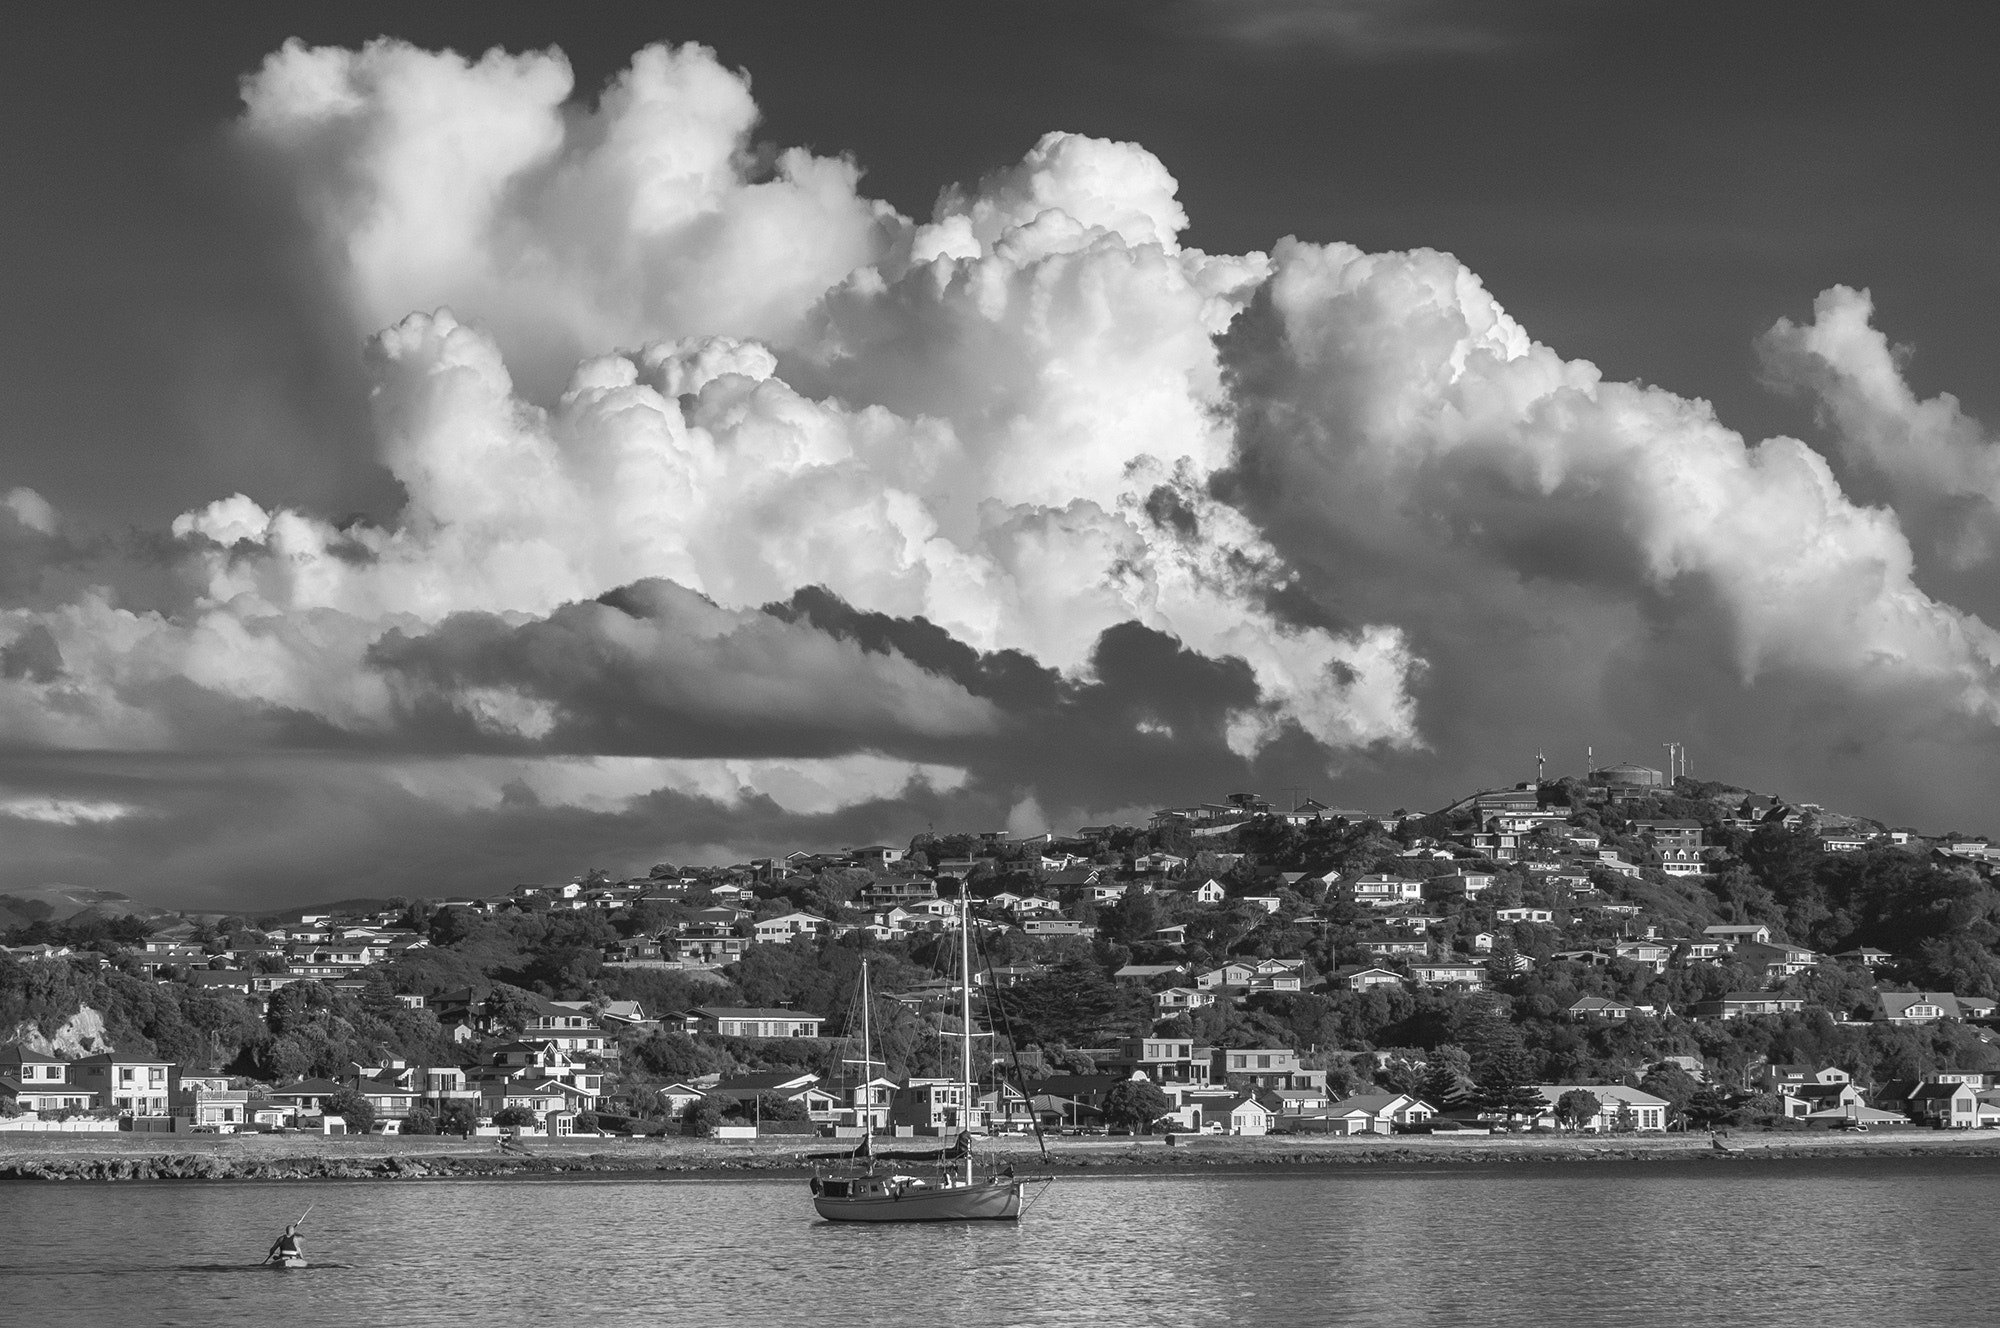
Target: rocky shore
{"x":310,"y":1157}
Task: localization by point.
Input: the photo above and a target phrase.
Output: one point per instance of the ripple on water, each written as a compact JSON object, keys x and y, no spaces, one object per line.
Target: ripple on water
{"x":1556,"y":1245}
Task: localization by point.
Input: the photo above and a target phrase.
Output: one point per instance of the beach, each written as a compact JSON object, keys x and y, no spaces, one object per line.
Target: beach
{"x":54,"y":1157}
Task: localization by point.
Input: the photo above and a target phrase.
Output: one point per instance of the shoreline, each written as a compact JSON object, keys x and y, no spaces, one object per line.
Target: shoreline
{"x":54,"y":1158}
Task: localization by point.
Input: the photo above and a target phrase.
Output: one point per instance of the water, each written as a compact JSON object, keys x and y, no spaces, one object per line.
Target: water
{"x":1829,"y":1244}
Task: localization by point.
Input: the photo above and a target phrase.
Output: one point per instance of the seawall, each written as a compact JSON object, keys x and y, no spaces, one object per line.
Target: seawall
{"x":310,"y":1157}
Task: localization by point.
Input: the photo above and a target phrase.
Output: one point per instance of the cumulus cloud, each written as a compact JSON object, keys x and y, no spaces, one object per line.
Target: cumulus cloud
{"x":425,"y":179}
{"x":1389,"y":397}
{"x":1941,"y":466}
{"x":737,"y":506}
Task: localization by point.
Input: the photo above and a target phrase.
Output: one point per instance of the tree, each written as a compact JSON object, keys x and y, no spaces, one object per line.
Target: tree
{"x":510,"y":1007}
{"x":1135,"y":1104}
{"x":1446,"y":1073}
{"x":1669,"y":1081}
{"x":356,"y":1110}
{"x":777,"y":1107}
{"x":705,"y":1113}
{"x":420,"y":1121}
{"x":1578,"y":1107}
{"x":514,"y":1117}
{"x":1625,"y":1120}
{"x":1708,"y":1107}
{"x":587,"y":1123}
{"x":458,"y":1118}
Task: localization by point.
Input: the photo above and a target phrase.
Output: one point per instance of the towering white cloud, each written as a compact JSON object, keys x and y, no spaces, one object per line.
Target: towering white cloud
{"x":1400,"y":402}
{"x":426,"y":179}
{"x":643,"y":381}
{"x":1941,"y":467}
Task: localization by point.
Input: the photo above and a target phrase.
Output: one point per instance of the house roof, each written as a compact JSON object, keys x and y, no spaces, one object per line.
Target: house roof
{"x":1372,"y":1103}
{"x":753,"y":1012}
{"x":761,"y":1083}
{"x":1899,"y":1002}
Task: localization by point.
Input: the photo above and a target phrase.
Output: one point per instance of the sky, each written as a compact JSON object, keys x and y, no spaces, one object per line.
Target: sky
{"x":455,"y":446}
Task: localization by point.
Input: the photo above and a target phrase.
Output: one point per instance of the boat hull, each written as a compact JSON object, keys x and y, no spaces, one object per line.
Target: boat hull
{"x":289,"y":1261}
{"x":982,"y":1201}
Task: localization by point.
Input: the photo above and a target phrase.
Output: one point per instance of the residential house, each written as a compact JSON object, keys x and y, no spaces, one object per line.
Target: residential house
{"x":1944,"y":1106}
{"x":391,"y":1089}
{"x":1378,"y":1113}
{"x":1147,"y":972}
{"x":1619,"y":1107}
{"x":1458,"y":885}
{"x":1294,"y":1101}
{"x":1739,"y":1004}
{"x":1359,"y":978}
{"x":750,"y":1022}
{"x":129,"y":1085}
{"x":1057,"y":927}
{"x":1915,"y":1007}
{"x":1073,"y":1101}
{"x":801,"y":1087}
{"x":1172,"y":1063}
{"x":1597,"y":1007}
{"x":788,"y":927}
{"x":1265,"y":1067}
{"x":1778,"y":959}
{"x":1232,"y":974}
{"x":1826,"y":1101}
{"x":889,"y":891}
{"x":31,"y":1081}
{"x":1682,"y":862}
{"x":933,"y":1106}
{"x":306,"y":1098}
{"x":1378,"y":890}
{"x":678,"y":1096}
{"x":1543,"y":916}
{"x":1174,"y":1000}
{"x":1447,"y":973}
{"x":1391,"y":948}
{"x":1228,"y":1113}
{"x":1651,"y":954}
{"x":877,"y":857}
{"x":569,"y":1026}
{"x":1675,"y":834}
{"x":1738,"y":933}
{"x":208,"y":1102}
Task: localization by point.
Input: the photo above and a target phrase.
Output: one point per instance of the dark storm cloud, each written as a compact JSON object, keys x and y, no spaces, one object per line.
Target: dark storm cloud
{"x":654,"y":669}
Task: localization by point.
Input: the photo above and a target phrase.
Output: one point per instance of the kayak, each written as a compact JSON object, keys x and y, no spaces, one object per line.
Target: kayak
{"x":289,"y":1261}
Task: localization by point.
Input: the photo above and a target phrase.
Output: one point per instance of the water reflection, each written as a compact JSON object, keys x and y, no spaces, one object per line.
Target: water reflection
{"x":1773,"y":1244}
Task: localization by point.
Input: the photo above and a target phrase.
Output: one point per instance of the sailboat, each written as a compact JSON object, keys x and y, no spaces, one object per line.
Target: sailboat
{"x":868,"y":1191}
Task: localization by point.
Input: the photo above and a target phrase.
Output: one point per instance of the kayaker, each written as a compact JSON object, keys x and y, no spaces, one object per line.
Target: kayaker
{"x":287,"y":1246}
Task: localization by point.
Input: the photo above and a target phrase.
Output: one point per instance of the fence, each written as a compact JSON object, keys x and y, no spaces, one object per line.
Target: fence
{"x":30,"y":1125}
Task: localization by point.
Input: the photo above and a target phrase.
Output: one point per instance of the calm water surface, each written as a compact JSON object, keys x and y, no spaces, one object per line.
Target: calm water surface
{"x":1860,"y":1243}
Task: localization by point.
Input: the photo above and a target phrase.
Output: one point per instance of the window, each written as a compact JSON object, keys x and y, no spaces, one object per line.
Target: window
{"x":124,"y":1075}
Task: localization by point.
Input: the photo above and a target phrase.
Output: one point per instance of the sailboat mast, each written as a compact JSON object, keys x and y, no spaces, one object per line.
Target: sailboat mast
{"x":867,"y":1061}
{"x":965,"y":1016}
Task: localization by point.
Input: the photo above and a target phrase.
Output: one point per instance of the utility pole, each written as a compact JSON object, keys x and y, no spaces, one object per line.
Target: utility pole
{"x":1540,"y":761}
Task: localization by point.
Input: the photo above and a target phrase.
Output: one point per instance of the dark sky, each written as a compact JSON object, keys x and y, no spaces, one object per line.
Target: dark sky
{"x":1649,"y":188}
